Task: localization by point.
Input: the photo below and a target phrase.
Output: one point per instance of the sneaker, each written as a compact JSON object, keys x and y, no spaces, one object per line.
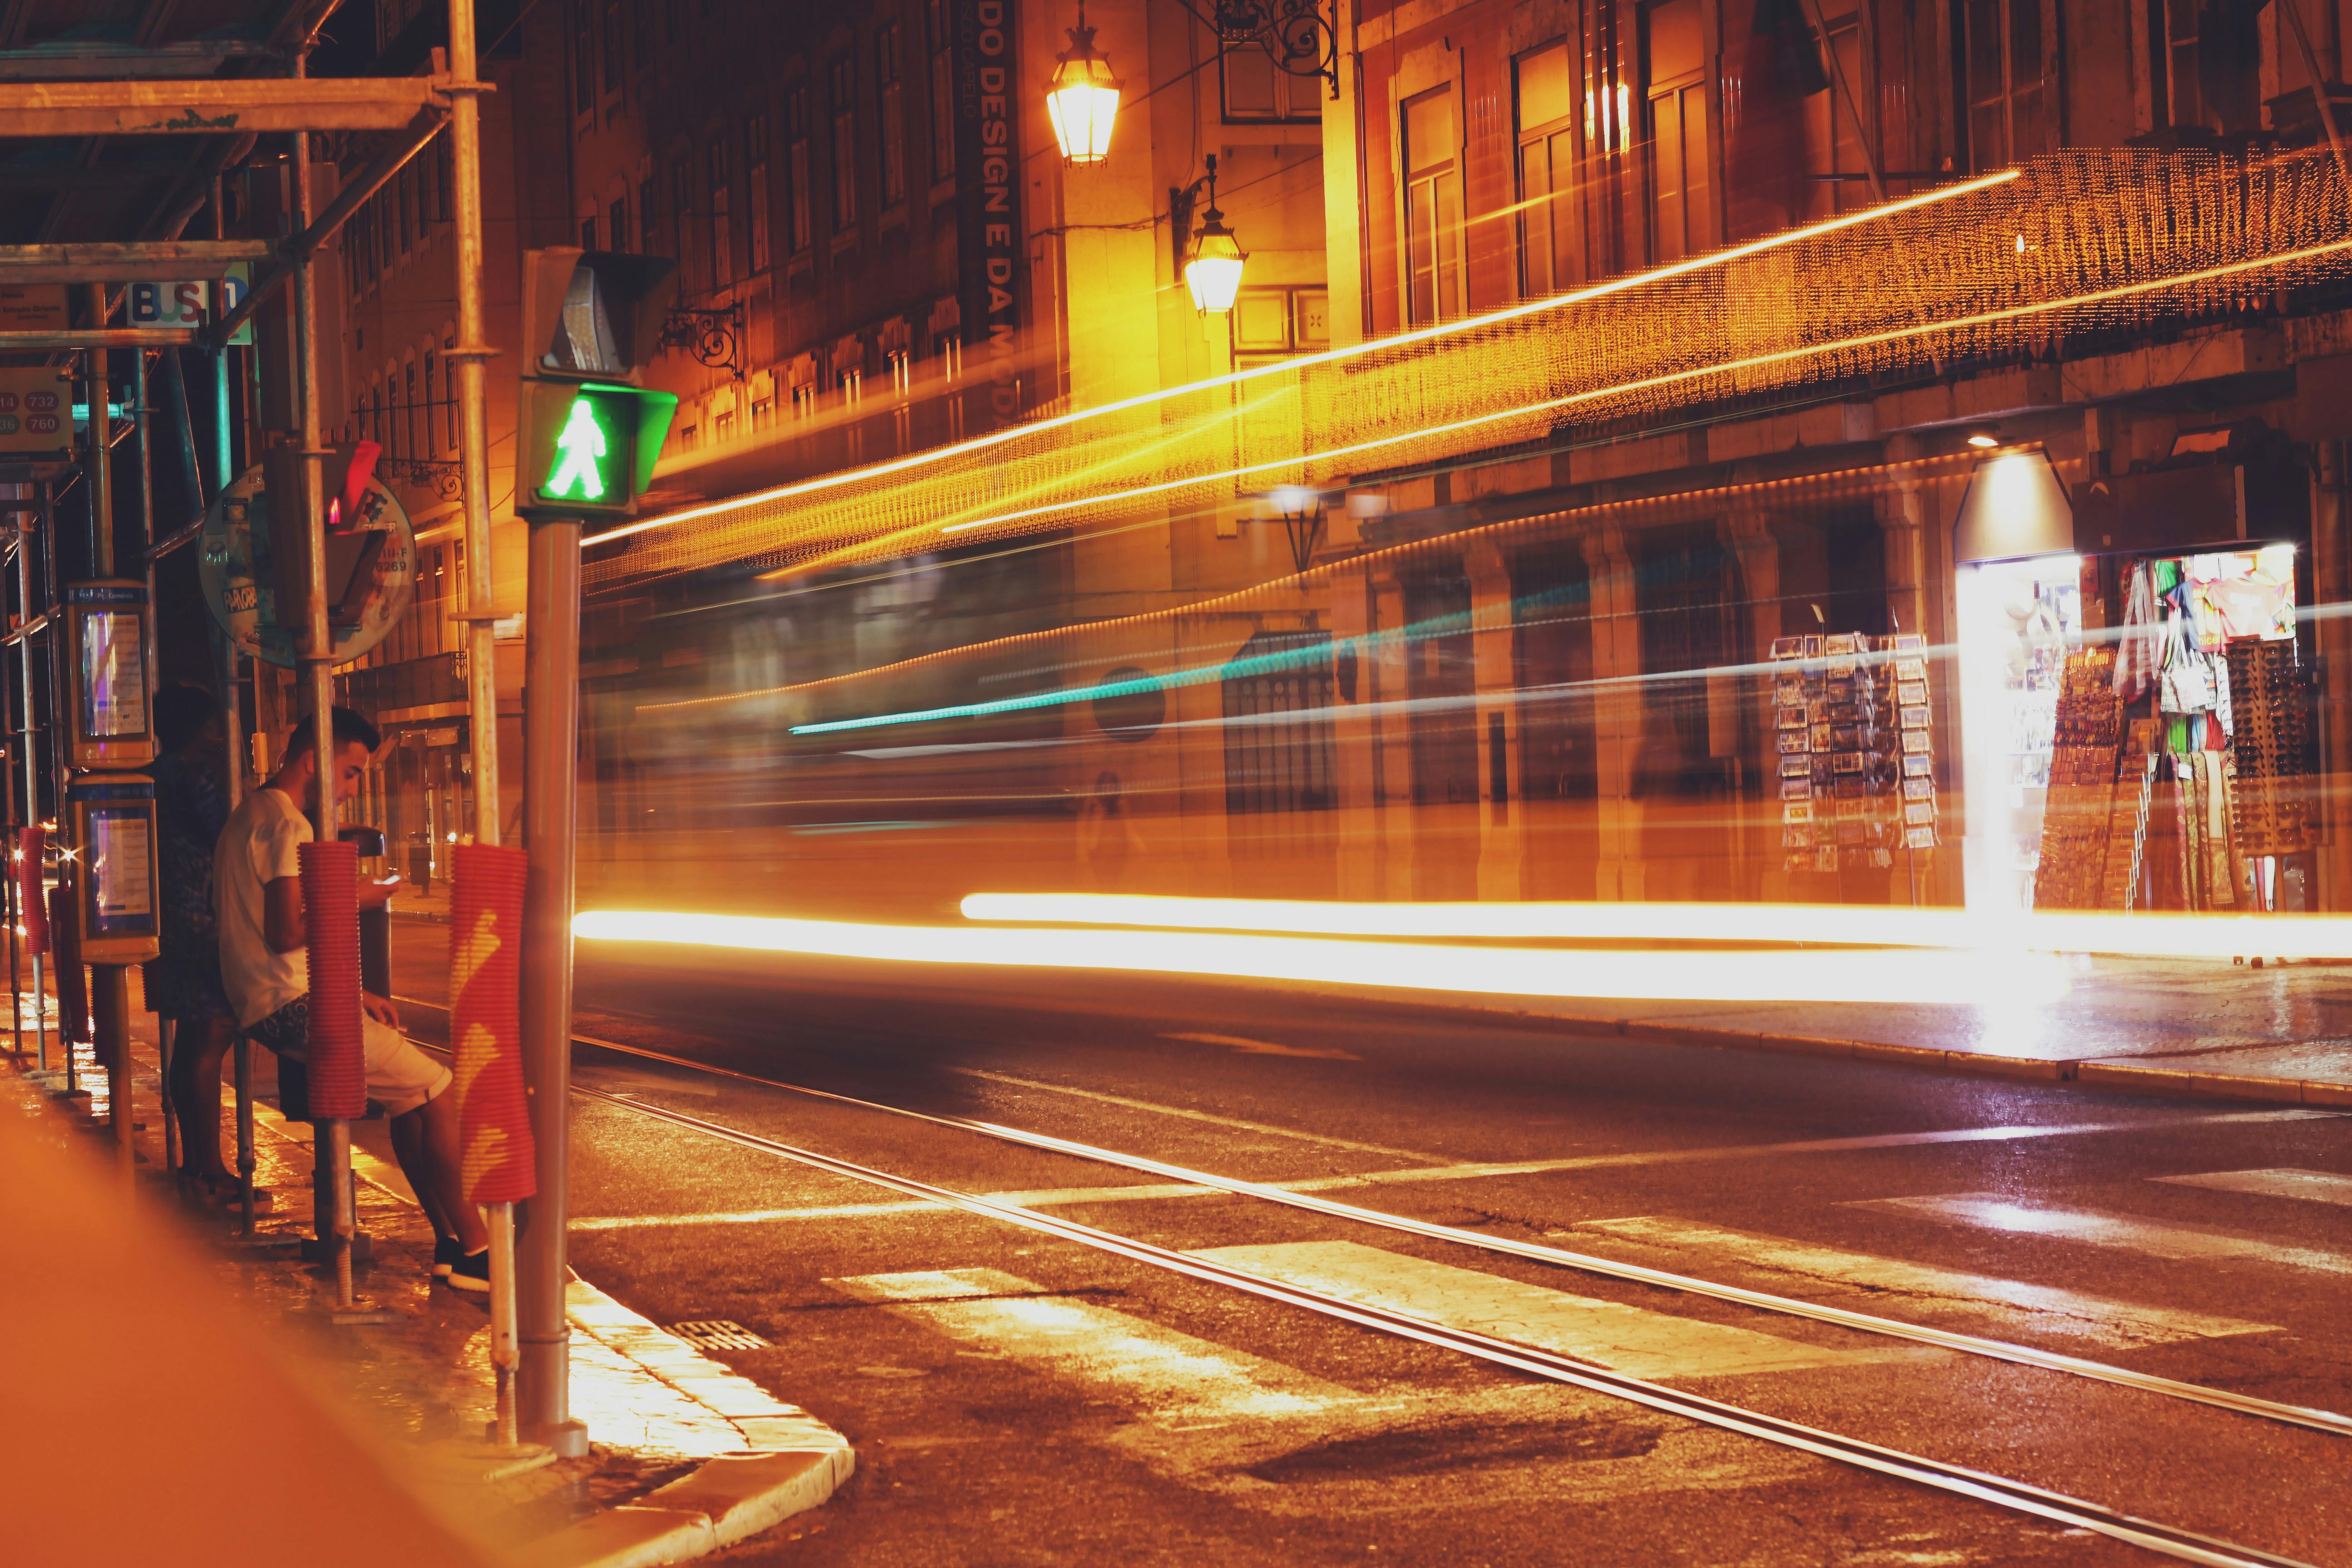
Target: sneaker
{"x":446,"y":1252}
{"x":471,"y":1271}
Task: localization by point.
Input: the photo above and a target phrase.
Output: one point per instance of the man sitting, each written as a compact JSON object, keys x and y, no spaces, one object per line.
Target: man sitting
{"x":265,"y":969}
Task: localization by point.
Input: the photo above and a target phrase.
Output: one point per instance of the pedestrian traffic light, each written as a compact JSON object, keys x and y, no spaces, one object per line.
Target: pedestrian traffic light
{"x":592,"y":321}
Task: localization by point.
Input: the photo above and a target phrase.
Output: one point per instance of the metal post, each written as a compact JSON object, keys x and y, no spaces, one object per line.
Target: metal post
{"x":110,"y":983}
{"x":143,"y":440}
{"x":332,"y":1140}
{"x":56,"y":674}
{"x":474,"y":423}
{"x":550,"y":721}
{"x":2294,"y":9}
{"x":32,"y":751}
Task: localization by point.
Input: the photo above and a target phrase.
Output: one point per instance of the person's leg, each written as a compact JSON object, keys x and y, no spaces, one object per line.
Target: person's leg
{"x":408,"y":1147}
{"x":446,"y":1168}
{"x":198,"y":1045}
{"x":413,"y":1087}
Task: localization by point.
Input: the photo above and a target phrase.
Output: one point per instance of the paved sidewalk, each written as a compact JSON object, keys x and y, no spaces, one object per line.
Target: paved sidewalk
{"x":687,"y":1455}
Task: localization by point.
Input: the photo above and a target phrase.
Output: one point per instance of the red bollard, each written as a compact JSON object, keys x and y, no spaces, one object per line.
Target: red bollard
{"x":496,"y":1153}
{"x":334,"y":1049}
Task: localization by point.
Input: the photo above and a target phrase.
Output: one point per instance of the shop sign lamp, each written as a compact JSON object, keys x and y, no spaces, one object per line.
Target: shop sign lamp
{"x":1214,"y":272}
{"x":1083,"y":102}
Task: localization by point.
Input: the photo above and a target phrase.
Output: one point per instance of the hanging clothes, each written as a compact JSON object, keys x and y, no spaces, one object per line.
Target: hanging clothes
{"x":2140,"y":652}
{"x":2254,"y":597}
{"x":2187,"y":685}
{"x":2220,"y":879}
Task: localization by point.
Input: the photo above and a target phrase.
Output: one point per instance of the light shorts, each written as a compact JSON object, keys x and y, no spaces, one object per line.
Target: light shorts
{"x":399,"y":1075}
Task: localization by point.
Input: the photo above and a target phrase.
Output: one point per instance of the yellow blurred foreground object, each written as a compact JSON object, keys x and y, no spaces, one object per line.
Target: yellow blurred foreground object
{"x":1834,"y":925}
{"x":148,"y":1423}
{"x":1951,"y":978}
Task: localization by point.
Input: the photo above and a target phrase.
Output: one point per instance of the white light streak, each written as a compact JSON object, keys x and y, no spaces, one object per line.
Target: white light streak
{"x":1911,"y":977}
{"x":1835,"y":925}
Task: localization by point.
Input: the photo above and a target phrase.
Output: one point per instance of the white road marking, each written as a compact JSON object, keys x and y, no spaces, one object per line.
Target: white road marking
{"x":2126,"y":1232}
{"x":1189,"y":1115}
{"x":1176,"y":1379}
{"x":1156,"y":1192}
{"x":1626,"y":1339}
{"x":1250,"y":1047}
{"x":2314,"y":1186}
{"x":1945,"y":1295}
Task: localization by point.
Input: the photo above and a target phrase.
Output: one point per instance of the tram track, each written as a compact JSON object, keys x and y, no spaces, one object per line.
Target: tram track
{"x":1999,"y":1492}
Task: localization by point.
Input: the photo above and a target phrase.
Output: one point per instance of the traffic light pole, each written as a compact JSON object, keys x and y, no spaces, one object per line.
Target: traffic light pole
{"x":551,"y":829}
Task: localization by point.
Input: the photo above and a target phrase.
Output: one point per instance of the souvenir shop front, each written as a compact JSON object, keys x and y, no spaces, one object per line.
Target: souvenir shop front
{"x":2136,"y":722}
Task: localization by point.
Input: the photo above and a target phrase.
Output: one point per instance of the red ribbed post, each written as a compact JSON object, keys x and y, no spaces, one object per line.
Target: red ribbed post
{"x":337,"y":1062}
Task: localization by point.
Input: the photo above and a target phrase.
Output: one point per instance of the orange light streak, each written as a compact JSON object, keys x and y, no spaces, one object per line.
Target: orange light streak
{"x":1668,"y":378}
{"x":1402,"y":340}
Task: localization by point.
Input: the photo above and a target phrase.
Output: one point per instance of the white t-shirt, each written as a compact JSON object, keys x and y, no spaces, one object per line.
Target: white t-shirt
{"x":260,"y":845}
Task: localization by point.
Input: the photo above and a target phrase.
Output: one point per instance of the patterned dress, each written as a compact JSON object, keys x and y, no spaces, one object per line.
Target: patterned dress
{"x":191,"y":809}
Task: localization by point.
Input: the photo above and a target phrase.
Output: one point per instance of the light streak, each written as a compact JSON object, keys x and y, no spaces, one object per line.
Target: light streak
{"x":2146,"y":935}
{"x":1951,"y":979}
{"x":1670,"y":378}
{"x":1402,"y":340}
{"x":1839,"y":481}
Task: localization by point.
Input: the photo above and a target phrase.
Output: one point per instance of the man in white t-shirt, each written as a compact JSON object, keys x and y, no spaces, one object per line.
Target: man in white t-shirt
{"x":265,"y":968}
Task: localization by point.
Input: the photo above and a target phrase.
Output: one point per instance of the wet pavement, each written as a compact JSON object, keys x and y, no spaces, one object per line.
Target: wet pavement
{"x":1017,"y":1398}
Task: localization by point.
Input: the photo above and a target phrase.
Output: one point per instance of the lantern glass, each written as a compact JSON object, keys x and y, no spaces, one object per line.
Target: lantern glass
{"x":1083,"y":102}
{"x":1214,"y":272}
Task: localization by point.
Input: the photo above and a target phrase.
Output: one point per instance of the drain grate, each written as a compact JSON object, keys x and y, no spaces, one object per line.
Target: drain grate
{"x":718,"y":1334}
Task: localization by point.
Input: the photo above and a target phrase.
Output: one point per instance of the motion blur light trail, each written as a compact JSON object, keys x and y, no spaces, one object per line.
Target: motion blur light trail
{"x":2139,"y":935}
{"x":1917,"y":977}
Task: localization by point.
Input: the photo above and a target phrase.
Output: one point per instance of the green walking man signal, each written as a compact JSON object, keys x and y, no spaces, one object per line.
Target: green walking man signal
{"x":591,"y":323}
{"x":579,"y":450}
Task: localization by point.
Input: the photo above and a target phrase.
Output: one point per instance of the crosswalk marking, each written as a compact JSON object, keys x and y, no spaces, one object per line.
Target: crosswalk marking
{"x":1625,"y":1339}
{"x":1171,"y":1376}
{"x":2313,"y":1186}
{"x":1927,"y":1292}
{"x":2124,"y":1231}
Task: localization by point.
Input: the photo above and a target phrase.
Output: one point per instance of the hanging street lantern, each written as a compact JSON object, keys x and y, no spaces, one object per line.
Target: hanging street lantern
{"x":1083,"y":102}
{"x":1213,"y":273}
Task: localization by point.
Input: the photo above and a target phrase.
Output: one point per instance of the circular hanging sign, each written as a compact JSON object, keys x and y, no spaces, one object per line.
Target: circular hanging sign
{"x":371,"y":571}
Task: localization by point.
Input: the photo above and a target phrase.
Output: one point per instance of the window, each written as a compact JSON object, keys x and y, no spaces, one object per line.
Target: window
{"x":1551,"y":253}
{"x":407,"y":187}
{"x":587,"y":234}
{"x":755,"y":148}
{"x":796,"y":169}
{"x":1271,"y":324}
{"x":614,"y":27}
{"x":723,"y":196}
{"x":1433,"y":210}
{"x":681,"y":210}
{"x":432,"y":405}
{"x":845,"y":143}
{"x":1675,"y":59}
{"x":616,"y":222}
{"x":1256,"y":90}
{"x":943,"y":124}
{"x":645,"y":9}
{"x":893,"y":116}
{"x":1833,"y":154}
{"x":2008,"y":116}
{"x":804,"y":400}
{"x":583,"y":61}
{"x":407,"y":425}
{"x":2180,"y":82}
{"x":648,"y":234}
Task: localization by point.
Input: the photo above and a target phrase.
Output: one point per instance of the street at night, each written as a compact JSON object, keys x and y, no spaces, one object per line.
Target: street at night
{"x":937,"y":784}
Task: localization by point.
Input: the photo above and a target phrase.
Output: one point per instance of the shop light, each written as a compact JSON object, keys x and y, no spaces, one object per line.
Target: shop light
{"x":1983,"y":440}
{"x":1214,"y":273}
{"x":1083,"y":102}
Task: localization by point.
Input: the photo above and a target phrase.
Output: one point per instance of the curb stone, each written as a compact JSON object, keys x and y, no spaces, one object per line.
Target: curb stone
{"x":790,"y":1462}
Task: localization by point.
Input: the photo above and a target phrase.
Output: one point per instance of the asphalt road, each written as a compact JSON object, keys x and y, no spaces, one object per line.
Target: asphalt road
{"x":1015,"y":1399}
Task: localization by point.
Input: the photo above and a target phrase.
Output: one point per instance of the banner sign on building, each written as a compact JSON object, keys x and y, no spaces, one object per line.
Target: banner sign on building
{"x":989,"y":240}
